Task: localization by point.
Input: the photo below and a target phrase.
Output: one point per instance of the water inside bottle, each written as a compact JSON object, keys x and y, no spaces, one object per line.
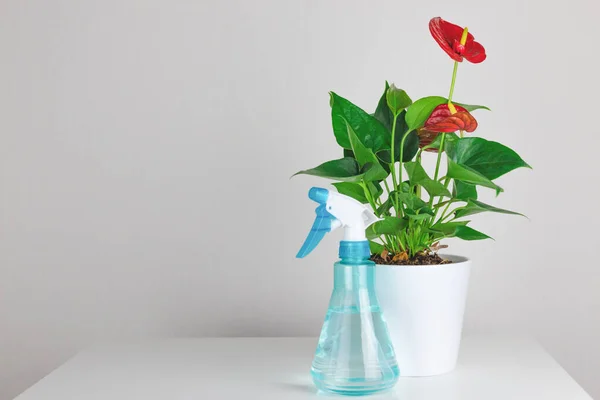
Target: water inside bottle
{"x":354,"y":355}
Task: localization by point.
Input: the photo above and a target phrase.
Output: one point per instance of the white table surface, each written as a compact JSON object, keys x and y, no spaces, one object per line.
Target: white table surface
{"x":278,"y":368}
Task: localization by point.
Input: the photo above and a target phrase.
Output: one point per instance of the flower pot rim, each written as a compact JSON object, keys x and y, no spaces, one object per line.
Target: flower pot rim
{"x":456,"y":260}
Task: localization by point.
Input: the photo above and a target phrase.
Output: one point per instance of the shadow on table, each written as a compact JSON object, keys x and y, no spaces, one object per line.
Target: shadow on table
{"x":300,"y":386}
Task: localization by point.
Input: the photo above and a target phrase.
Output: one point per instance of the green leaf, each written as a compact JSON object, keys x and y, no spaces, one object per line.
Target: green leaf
{"x":427,"y":210}
{"x":385,"y":116}
{"x":405,"y":187}
{"x":365,"y":156}
{"x":376,"y":248}
{"x":384,"y":208}
{"x":387,"y":226}
{"x":458,"y":229}
{"x":382,"y":112}
{"x":490,"y":159}
{"x":345,"y":170}
{"x":450,"y":137}
{"x":406,"y":196}
{"x":469,"y":175}
{"x":375,"y":189}
{"x":397,"y":99}
{"x":471,"y":107}
{"x":448,"y":228}
{"x":467,"y":233}
{"x":368,"y":129}
{"x":420,"y":110}
{"x":464,"y":191}
{"x":476,"y":207}
{"x":411,"y":146}
{"x":435,"y":188}
{"x":416,"y":173}
{"x":412,"y":201}
{"x":418,"y":217}
{"x":353,"y":190}
{"x":418,"y":176}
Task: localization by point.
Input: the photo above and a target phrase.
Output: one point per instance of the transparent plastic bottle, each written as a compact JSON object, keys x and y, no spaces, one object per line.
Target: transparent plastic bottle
{"x":355,"y":355}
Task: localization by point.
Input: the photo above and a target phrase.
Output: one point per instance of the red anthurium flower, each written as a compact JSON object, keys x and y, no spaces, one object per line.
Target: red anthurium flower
{"x":448,"y":37}
{"x":442,"y":120}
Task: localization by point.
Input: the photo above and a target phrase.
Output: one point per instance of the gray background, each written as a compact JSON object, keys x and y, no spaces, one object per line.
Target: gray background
{"x":146,"y":149}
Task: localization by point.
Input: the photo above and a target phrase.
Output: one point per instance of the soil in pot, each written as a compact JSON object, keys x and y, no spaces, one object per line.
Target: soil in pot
{"x":419,"y":259}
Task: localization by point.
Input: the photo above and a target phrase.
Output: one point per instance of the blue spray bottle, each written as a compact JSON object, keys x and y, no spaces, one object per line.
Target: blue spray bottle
{"x":355,"y":354}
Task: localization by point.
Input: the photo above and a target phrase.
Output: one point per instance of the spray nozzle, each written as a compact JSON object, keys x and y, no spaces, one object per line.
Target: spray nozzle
{"x":336,"y":210}
{"x":318,"y":194}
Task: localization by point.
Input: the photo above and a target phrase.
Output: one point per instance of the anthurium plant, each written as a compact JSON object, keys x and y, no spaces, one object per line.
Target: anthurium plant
{"x":383,"y":153}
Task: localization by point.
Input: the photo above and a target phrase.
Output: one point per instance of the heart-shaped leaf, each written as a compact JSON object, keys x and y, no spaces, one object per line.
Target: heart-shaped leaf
{"x":435,"y":188}
{"x":411,"y":146}
{"x":411,"y":200}
{"x":382,"y":112}
{"x":385,"y":207}
{"x":418,"y":176}
{"x":467,"y":233}
{"x":476,"y":207}
{"x":353,"y":190}
{"x":468,"y":175}
{"x":448,"y":228}
{"x":397,"y":99}
{"x":385,"y":116}
{"x":420,"y":110}
{"x":471,"y":107}
{"x":464,"y":191}
{"x":376,"y":248}
{"x":387,"y":226}
{"x":344,"y":169}
{"x":375,"y":189}
{"x":417,"y":216}
{"x":490,"y":159}
{"x":458,"y":229}
{"x":365,"y":157}
{"x":368,"y":129}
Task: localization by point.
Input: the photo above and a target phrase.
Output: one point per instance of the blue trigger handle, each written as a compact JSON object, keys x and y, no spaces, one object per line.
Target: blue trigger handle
{"x":322,"y":223}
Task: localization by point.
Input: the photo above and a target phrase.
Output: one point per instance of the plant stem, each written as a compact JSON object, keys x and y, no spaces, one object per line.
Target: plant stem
{"x":444,"y":212}
{"x":419,"y":154}
{"x":387,"y":187}
{"x":437,"y":165}
{"x":418,"y":188}
{"x":446,"y":183}
{"x":402,"y":154}
{"x":452,"y":109}
{"x":401,"y":163}
{"x":453,"y":81}
{"x":446,"y":217}
{"x":439,"y":157}
{"x":393,"y":164}
{"x":389,"y":193}
{"x":369,"y":196}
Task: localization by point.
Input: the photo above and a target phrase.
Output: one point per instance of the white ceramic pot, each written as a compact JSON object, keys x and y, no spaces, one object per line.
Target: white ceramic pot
{"x":424,"y":307}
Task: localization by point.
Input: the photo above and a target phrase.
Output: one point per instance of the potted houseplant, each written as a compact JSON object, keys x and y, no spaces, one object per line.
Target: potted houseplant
{"x":421,"y":293}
